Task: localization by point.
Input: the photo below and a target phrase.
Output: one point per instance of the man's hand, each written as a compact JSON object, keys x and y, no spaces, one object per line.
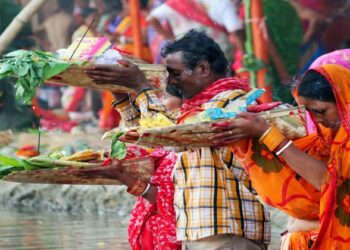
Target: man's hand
{"x":113,"y":171}
{"x":127,"y":75}
{"x":247,"y":125}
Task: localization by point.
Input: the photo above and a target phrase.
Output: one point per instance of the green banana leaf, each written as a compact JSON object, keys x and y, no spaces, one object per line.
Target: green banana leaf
{"x":11,"y":161}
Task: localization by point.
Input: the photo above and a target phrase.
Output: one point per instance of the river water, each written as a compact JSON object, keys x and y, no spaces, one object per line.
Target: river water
{"x":22,"y":230}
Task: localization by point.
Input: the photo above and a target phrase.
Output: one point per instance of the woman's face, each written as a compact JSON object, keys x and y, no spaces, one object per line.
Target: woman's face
{"x":325,"y":113}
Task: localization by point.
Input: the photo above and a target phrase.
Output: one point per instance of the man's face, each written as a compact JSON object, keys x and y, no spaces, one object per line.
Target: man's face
{"x":186,"y":80}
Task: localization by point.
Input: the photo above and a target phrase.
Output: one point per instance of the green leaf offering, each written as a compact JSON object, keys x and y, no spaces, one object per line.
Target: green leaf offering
{"x":118,"y":148}
{"x":31,"y":68}
{"x":11,"y":161}
{"x":6,"y":170}
{"x":9,"y":164}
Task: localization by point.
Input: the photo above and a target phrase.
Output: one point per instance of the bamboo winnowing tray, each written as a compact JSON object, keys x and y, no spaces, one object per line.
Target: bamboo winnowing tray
{"x":291,"y":122}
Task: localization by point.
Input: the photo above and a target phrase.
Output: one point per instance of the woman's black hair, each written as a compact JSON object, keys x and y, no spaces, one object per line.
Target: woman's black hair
{"x":197,"y":46}
{"x":315,"y":86}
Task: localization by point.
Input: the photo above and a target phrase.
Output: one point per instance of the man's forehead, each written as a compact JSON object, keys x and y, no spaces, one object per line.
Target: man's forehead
{"x":174,"y":60}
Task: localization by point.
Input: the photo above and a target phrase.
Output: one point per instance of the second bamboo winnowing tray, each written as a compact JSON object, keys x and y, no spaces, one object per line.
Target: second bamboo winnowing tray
{"x":141,"y":167}
{"x":291,"y":122}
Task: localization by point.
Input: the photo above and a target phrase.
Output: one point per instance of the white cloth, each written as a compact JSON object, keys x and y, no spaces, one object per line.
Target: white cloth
{"x":57,"y":28}
{"x":222,"y":12}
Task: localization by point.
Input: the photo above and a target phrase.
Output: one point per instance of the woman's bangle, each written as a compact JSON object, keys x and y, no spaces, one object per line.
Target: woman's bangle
{"x":284,"y":148}
{"x":264,"y":134}
{"x":273,"y":138}
{"x":146,"y":190}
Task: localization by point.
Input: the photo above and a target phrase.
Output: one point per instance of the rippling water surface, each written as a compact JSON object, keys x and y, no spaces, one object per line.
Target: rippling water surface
{"x":21,"y":230}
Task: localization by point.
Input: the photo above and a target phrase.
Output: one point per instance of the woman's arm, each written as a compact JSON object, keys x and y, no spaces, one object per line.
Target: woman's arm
{"x":309,"y":168}
{"x":315,"y":20}
{"x":253,"y":126}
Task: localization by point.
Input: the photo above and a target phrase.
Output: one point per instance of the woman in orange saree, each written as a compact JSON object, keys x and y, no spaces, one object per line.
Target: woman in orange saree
{"x":325,"y":91}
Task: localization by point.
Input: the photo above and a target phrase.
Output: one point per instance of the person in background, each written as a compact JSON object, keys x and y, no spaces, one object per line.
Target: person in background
{"x":215,"y":204}
{"x":328,"y":16}
{"x":219,"y":18}
{"x":90,"y":22}
{"x":109,"y":12}
{"x":59,"y":26}
{"x":152,"y":221}
{"x":155,"y":40}
{"x":79,"y":5}
{"x":122,"y":30}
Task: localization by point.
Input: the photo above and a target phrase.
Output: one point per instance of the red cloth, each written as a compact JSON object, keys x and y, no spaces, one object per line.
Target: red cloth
{"x":108,"y":117}
{"x":135,"y":152}
{"x":153,"y":226}
{"x":76,"y":98}
{"x":192,"y":11}
{"x":65,"y":126}
{"x":212,"y":90}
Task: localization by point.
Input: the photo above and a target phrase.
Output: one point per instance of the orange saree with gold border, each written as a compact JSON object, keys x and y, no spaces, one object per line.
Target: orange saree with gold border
{"x":281,"y":187}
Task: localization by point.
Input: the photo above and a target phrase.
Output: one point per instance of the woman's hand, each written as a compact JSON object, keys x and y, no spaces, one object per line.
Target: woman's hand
{"x":247,"y":125}
{"x":127,"y":75}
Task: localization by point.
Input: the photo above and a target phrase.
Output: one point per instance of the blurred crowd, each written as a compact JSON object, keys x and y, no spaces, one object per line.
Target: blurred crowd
{"x":300,"y":31}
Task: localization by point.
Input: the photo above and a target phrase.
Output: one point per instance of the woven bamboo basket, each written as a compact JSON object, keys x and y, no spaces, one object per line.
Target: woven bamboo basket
{"x":291,"y":122}
{"x":76,"y":76}
{"x":140,"y":167}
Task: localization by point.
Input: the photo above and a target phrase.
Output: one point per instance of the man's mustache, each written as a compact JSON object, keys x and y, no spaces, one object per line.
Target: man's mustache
{"x":174,"y":90}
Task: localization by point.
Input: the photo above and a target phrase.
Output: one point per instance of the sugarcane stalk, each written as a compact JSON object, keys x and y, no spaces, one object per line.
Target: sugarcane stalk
{"x":61,"y":163}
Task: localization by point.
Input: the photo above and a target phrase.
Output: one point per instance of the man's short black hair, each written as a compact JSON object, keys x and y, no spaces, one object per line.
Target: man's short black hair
{"x":197,"y":46}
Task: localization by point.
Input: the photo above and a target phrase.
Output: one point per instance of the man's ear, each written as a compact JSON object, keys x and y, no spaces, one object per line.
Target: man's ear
{"x":204,"y":68}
